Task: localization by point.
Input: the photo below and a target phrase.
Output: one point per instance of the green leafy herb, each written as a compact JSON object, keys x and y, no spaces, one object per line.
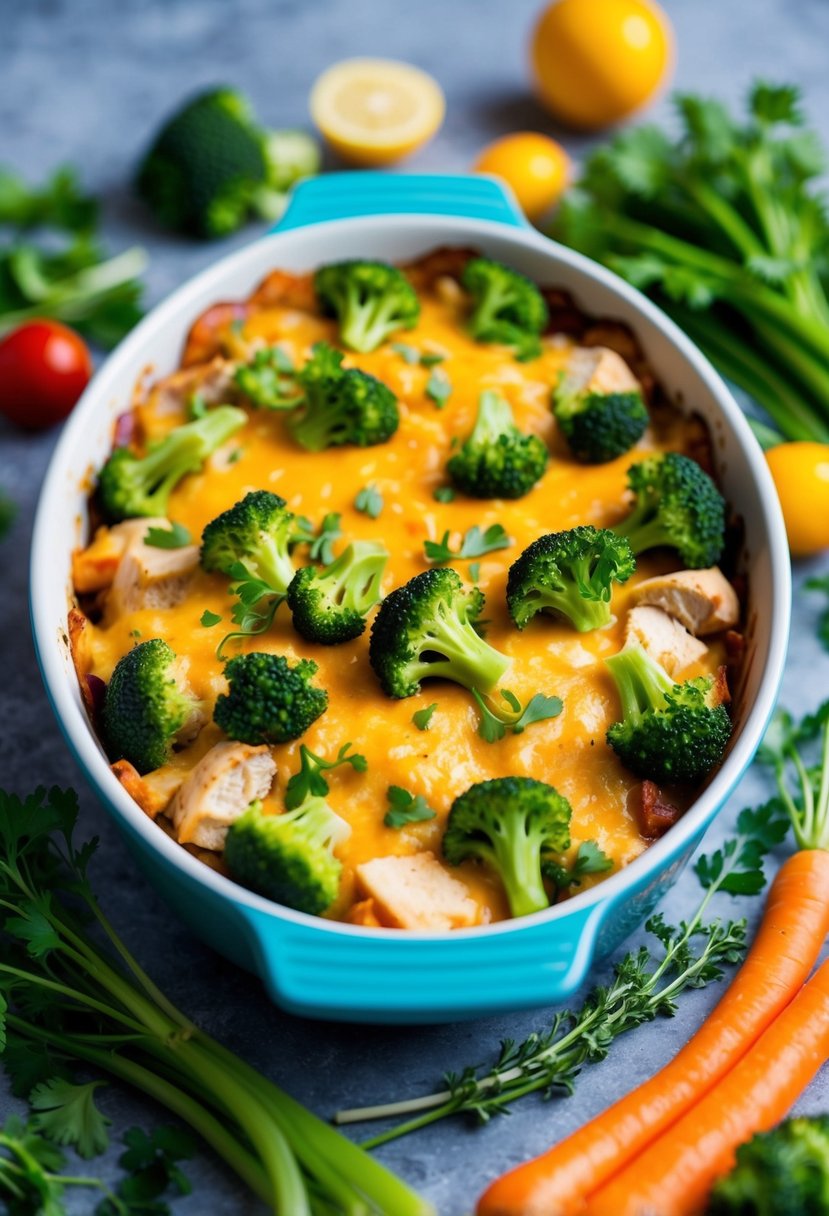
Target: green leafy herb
{"x":475,"y":571}
{"x":369,"y":501}
{"x":422,"y":717}
{"x":197,"y":406}
{"x":589,"y":859}
{"x":256,"y":608}
{"x":724,"y":225}
{"x":67,"y":1114}
{"x":70,"y":989}
{"x":443,"y":494}
{"x":406,"y":808}
{"x":431,"y":359}
{"x":802,"y":783}
{"x":209,"y":619}
{"x":821,"y":584}
{"x":646,"y":984}
{"x":474,"y":543}
{"x":439,"y":387}
{"x":320,"y":543}
{"x":497,"y":720}
{"x":409,"y":354}
{"x":176,"y":537}
{"x":310,"y":782}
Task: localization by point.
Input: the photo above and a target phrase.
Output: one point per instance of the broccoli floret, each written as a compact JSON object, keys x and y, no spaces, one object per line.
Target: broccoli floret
{"x":289,"y":858}
{"x":497,"y":460}
{"x":371,"y":301}
{"x":148,"y":707}
{"x":509,"y":824}
{"x":784,"y":1172}
{"x":269,"y":380}
{"x":507,"y":307}
{"x":211,"y":165}
{"x":599,"y":426}
{"x":675,"y":504}
{"x":426,"y":629}
{"x":342,"y":405}
{"x":256,"y":534}
{"x":668,"y":732}
{"x":330,"y":605}
{"x":130,"y":485}
{"x":571,"y":575}
{"x":269,"y":701}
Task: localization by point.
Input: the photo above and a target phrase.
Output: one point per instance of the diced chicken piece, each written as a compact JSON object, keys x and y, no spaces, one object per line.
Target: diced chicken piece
{"x":93,"y":568}
{"x":220,"y":788}
{"x":154,"y":791}
{"x":416,"y":893}
{"x":664,"y":639}
{"x":148,"y":577}
{"x":213,"y":382}
{"x":597,"y":369}
{"x":702,"y":600}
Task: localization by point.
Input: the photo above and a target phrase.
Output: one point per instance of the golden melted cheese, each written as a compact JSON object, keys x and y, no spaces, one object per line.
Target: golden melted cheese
{"x":569,"y":751}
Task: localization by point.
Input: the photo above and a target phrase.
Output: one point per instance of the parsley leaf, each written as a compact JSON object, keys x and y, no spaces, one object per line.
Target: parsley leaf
{"x":409,"y":354}
{"x":67,"y":1114}
{"x":422,"y":717}
{"x":439,"y":387}
{"x":431,"y":359}
{"x":737,"y":867}
{"x":474,"y":543}
{"x":309,"y":781}
{"x":406,"y":808}
{"x":176,"y":537}
{"x":589,"y":859}
{"x":256,"y":609}
{"x":320,"y":542}
{"x":443,"y":494}
{"x":369,"y":501}
{"x":209,"y":619}
{"x":496,"y":721}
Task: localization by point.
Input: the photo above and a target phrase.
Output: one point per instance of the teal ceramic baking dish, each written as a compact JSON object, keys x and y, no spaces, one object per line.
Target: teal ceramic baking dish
{"x":330,"y":970}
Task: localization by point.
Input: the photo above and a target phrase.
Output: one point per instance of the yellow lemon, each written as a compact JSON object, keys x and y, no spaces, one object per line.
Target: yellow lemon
{"x":534,"y":166}
{"x":596,"y":61}
{"x":376,"y":111}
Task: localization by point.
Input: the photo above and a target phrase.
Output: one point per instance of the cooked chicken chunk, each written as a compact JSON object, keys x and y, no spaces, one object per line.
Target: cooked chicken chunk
{"x":148,"y":577}
{"x":702,"y":600}
{"x":153,"y":791}
{"x":214,"y":383}
{"x":220,"y":788}
{"x":416,"y":893}
{"x":597,"y":369}
{"x":664,"y":639}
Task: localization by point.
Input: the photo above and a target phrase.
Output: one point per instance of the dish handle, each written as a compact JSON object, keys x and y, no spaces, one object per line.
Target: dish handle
{"x":389,"y":976}
{"x":336,"y":196}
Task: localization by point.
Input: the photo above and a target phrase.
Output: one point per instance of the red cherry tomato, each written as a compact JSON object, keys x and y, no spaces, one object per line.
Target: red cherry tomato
{"x":44,"y":368}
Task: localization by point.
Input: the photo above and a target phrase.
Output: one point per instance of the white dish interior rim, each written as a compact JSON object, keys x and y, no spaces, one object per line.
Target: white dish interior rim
{"x":73,"y":719}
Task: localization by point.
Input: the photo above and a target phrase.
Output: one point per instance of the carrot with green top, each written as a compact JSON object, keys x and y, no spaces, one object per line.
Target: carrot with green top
{"x":787,"y":946}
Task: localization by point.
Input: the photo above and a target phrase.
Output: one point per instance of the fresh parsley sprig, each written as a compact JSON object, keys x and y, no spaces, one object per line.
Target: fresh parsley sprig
{"x":309,"y":781}
{"x":474,"y":543}
{"x":369,"y":501}
{"x":405,"y":808}
{"x":174,"y":537}
{"x":320,"y":541}
{"x":256,"y":608}
{"x":496,"y":720}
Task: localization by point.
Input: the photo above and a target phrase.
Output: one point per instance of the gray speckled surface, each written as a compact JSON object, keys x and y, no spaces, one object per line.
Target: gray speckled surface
{"x":85,"y":81}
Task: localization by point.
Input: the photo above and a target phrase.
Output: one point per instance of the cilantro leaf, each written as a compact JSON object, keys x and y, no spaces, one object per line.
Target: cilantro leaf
{"x":406,"y":808}
{"x":67,"y":1114}
{"x":176,"y":537}
{"x":422,"y":717}
{"x":369,"y":501}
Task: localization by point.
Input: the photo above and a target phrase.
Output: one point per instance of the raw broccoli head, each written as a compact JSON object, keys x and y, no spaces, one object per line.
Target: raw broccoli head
{"x":342,"y":405}
{"x":507,"y":307}
{"x":211,"y":165}
{"x":130,"y":485}
{"x":669,"y":732}
{"x":509,"y":824}
{"x":497,"y":460}
{"x":256,"y":534}
{"x":599,"y":426}
{"x":371,"y":300}
{"x":330,"y":605}
{"x":426,"y":629}
{"x":269,"y":381}
{"x":269,"y":701}
{"x":571,"y":575}
{"x":148,"y":706}
{"x":289,"y":858}
{"x":675,"y":504}
{"x":784,"y":1172}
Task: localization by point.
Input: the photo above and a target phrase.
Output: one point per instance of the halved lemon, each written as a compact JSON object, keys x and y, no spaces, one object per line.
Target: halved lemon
{"x":376,"y":111}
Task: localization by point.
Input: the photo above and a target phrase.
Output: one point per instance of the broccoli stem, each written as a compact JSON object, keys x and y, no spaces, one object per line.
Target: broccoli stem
{"x":640,"y":681}
{"x":185,"y":449}
{"x":494,"y":419}
{"x":367,"y":324}
{"x":466,"y":657}
{"x":586,"y":613}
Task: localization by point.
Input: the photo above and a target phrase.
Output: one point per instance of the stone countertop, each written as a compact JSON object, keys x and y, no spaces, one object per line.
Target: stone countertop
{"x":84,"y":82}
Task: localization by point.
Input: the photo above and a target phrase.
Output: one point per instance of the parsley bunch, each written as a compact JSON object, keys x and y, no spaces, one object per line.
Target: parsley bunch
{"x":726,"y":228}
{"x":70,"y":990}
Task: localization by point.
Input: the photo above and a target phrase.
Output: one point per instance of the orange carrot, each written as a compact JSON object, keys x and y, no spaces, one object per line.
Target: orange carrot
{"x":673,"y":1176}
{"x":789,"y":940}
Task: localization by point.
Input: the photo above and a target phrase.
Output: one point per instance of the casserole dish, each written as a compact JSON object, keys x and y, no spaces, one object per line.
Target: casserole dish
{"x":316,"y":967}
